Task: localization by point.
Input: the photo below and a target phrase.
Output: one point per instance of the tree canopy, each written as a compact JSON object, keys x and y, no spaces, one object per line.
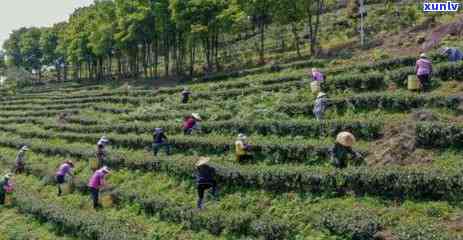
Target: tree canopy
{"x":133,"y":38}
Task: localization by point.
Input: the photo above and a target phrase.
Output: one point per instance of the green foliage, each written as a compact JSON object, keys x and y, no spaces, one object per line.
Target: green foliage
{"x":18,"y":77}
{"x":66,"y":220}
{"x":374,"y":101}
{"x":289,"y":191}
{"x":440,"y":135}
{"x":444,"y":71}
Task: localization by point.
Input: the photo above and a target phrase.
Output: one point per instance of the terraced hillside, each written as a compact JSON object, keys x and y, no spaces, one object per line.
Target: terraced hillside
{"x":290,"y":190}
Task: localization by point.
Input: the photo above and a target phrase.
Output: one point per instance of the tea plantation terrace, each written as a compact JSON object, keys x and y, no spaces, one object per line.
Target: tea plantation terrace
{"x":289,"y":191}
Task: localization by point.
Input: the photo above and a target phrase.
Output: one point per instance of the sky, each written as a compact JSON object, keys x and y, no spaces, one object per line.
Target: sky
{"x":15,"y":14}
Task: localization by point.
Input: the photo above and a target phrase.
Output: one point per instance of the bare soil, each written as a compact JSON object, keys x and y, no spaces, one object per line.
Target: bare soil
{"x":455,"y":224}
{"x":398,"y":144}
{"x":420,"y":38}
{"x":384,"y":235}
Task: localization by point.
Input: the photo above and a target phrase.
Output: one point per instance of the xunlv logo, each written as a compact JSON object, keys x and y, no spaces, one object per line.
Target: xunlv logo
{"x":441,"y":7}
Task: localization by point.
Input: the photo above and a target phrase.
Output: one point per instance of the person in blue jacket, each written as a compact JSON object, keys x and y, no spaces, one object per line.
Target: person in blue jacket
{"x":160,"y":141}
{"x":205,"y":179}
{"x":454,"y":54}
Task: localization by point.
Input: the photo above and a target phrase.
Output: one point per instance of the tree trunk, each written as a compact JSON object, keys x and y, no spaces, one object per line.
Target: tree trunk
{"x":216,"y":46}
{"x":145,"y":64}
{"x":156,"y":57}
{"x":262,"y":39}
{"x":119,"y":66}
{"x":296,"y":38}
{"x":314,"y":23}
{"x":65,"y":72}
{"x":166,"y":55}
{"x":192,"y":59}
{"x":110,"y":67}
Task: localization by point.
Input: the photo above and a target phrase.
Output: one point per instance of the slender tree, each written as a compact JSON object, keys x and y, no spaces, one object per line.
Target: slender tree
{"x":291,"y":12}
{"x":260,"y":15}
{"x":313,"y":9}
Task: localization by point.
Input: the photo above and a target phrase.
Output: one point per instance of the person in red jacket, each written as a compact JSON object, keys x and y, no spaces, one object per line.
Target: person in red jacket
{"x":6,"y":186}
{"x":191,"y":123}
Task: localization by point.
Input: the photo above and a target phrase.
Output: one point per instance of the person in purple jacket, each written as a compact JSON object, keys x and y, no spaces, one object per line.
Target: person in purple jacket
{"x":317,"y":75}
{"x":63,"y":170}
{"x":424,"y":71}
{"x":6,"y":186}
{"x":96,"y":182}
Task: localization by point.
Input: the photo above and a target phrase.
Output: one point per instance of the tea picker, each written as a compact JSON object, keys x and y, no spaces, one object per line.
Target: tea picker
{"x":160,"y":141}
{"x":96,"y":183}
{"x":317,"y":75}
{"x":6,"y":186}
{"x":205,"y":179}
{"x":101,"y":154}
{"x":342,"y":150}
{"x":321,"y":102}
{"x":242,"y":149}
{"x":191,"y":124}
{"x":63,"y":170}
{"x":103,"y":141}
{"x":185,"y":95}
{"x":317,"y":80}
{"x":424,"y":71}
{"x":452,"y":53}
{"x":20,"y":162}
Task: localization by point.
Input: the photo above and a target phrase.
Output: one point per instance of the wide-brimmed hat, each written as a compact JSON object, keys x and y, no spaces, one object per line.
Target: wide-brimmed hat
{"x":321,"y":94}
{"x":25,"y":148}
{"x":103,"y":140}
{"x":346,"y":139}
{"x":8,"y":175}
{"x":196,"y":116}
{"x":105,"y":169}
{"x":70,"y":162}
{"x":444,"y":50}
{"x":423,"y":55}
{"x":158,"y":130}
{"x":202,"y":161}
{"x":242,"y":136}
{"x":314,"y":69}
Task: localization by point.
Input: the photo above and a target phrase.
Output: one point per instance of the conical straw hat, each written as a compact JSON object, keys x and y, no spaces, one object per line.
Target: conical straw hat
{"x":242,"y":136}
{"x":346,"y":139}
{"x":202,"y":161}
{"x":196,"y":116}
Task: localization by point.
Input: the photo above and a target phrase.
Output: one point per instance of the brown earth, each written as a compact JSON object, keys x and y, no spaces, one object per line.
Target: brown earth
{"x":398,"y":144}
{"x":454,"y":28}
{"x":455,"y":224}
{"x":384,"y":235}
{"x":420,"y":38}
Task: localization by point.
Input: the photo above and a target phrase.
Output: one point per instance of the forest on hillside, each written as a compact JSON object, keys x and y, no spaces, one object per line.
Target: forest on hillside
{"x":125,"y":39}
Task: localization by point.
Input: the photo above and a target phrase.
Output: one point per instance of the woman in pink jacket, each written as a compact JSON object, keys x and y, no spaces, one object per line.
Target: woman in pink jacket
{"x":63,"y":170}
{"x":97,"y":181}
{"x":424,"y":71}
{"x":6,"y":186}
{"x":317,"y":75}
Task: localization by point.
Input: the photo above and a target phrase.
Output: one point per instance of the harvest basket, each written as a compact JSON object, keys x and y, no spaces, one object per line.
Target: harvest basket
{"x":413,"y":83}
{"x":8,"y":199}
{"x":315,"y":87}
